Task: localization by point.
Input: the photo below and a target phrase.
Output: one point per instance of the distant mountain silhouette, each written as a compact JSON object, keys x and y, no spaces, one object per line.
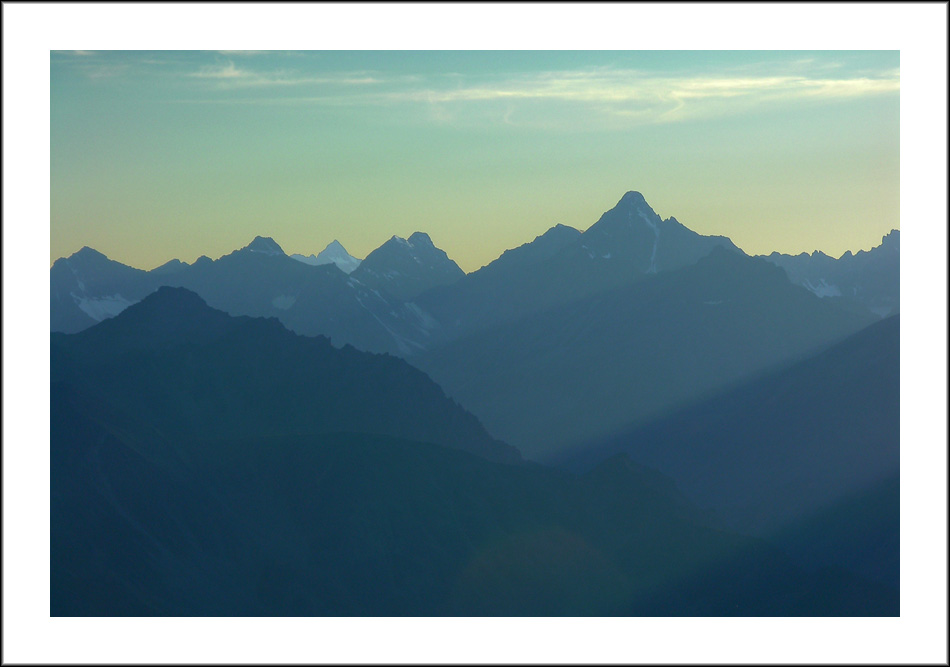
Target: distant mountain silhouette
{"x":555,"y":342}
{"x":629,"y":243}
{"x":808,"y":456}
{"x":871,"y":278}
{"x":258,"y":280}
{"x":191,"y":371}
{"x":576,"y":372}
{"x":213,"y":454}
{"x":405,"y":268}
{"x":88,"y":287}
{"x":334,"y":253}
{"x":632,"y":231}
{"x":408,"y":297}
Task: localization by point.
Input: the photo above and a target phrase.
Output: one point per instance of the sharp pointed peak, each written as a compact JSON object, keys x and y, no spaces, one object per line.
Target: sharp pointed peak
{"x":334,"y":249}
{"x":86,"y":251}
{"x":265,"y":245}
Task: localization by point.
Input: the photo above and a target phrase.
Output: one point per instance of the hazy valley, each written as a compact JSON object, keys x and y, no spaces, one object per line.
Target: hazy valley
{"x":634,"y":419}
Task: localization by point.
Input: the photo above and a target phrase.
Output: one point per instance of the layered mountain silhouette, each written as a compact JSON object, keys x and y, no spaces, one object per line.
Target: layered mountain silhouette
{"x":808,"y":456}
{"x":629,"y":243}
{"x":408,"y":296}
{"x":208,"y":465}
{"x":581,"y":370}
{"x":88,"y":287}
{"x":872,"y":277}
{"x":258,"y":280}
{"x":405,"y":268}
{"x":587,"y":327}
{"x":191,"y":371}
{"x":273,"y":434}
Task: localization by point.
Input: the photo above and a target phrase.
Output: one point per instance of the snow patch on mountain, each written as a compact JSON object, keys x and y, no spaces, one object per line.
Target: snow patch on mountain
{"x":404,"y":344}
{"x":822,"y":289}
{"x":103,"y":307}
{"x":656,"y":240}
{"x":426,"y":321}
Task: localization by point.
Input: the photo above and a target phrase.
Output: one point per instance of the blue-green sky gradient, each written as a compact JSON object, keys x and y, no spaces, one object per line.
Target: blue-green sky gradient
{"x":156,"y":155}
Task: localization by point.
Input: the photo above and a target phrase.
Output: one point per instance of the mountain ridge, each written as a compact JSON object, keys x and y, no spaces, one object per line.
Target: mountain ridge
{"x":243,"y":373}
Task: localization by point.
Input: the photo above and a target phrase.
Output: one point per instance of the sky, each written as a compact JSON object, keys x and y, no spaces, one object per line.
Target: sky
{"x":176,"y":154}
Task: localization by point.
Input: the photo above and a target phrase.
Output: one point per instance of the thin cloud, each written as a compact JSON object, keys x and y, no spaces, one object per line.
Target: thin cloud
{"x":635,"y":96}
{"x":621,"y":86}
{"x":228,"y":75}
{"x":226,"y":71}
{"x":626,"y":96}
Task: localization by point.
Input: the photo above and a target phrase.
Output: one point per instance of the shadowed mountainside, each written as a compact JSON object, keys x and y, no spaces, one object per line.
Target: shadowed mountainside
{"x":808,"y":456}
{"x":356,"y":525}
{"x":582,"y":370}
{"x":192,"y":371}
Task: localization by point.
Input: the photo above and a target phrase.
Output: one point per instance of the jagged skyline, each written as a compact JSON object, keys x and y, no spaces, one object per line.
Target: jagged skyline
{"x":181,"y":154}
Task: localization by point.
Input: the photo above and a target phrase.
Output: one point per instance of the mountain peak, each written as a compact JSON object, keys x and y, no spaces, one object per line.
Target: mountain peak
{"x":420,"y":238}
{"x":632,"y":197}
{"x":171,"y":266}
{"x":264,"y":245}
{"x":562,"y":230}
{"x":334,"y":253}
{"x":180,"y":297}
{"x":334,"y":249}
{"x":88,"y":254}
{"x":635,"y":206}
{"x":416,"y":241}
{"x":166,"y":315}
{"x":86,"y":250}
{"x":407,"y":267}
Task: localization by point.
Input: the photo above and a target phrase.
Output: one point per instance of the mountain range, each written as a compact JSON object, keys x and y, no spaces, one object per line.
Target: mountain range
{"x":555,"y":343}
{"x":633,"y":419}
{"x":255,"y":378}
{"x":870,"y":277}
{"x":410,"y":297}
{"x":585,"y":368}
{"x":203,"y":464}
{"x":770,"y":455}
